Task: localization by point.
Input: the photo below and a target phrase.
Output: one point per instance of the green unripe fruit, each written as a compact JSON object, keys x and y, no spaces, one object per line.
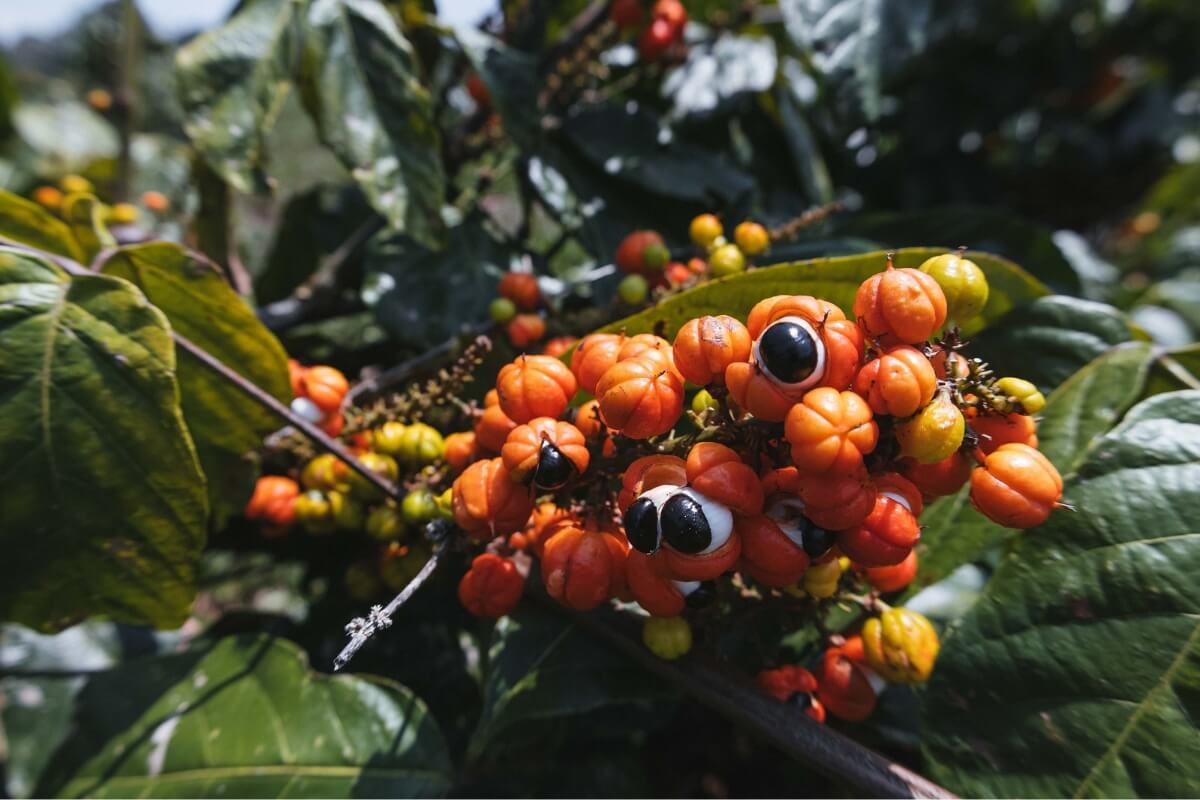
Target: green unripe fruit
{"x":726,"y":260}
{"x":1024,"y":393}
{"x":963,"y":283}
{"x":445,"y":504}
{"x":703,"y":401}
{"x":382,"y":465}
{"x":655,"y":257}
{"x":388,"y":438}
{"x":633,"y":289}
{"x":324,"y":473}
{"x":421,"y":445}
{"x":348,"y":513}
{"x":502,"y":310}
{"x":385,"y":523}
{"x":934,"y":433}
{"x":419,"y":506}
{"x":315,"y":513}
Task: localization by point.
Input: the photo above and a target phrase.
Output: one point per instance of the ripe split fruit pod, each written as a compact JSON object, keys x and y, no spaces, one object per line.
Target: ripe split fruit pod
{"x":890,"y":531}
{"x":545,"y":451}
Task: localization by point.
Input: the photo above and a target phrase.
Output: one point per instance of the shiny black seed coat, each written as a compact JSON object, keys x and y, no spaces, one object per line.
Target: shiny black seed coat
{"x":817,"y":541}
{"x":641,"y":525}
{"x":684,"y":525}
{"x":788,"y":351}
{"x":553,"y":469}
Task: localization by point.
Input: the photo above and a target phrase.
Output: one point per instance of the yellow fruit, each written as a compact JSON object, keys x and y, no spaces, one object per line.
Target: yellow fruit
{"x":934,"y":433}
{"x":752,"y":238}
{"x":705,"y":229}
{"x":75,"y":184}
{"x":901,"y":645}
{"x":726,"y":260}
{"x":667,"y":637}
{"x":1024,"y":393}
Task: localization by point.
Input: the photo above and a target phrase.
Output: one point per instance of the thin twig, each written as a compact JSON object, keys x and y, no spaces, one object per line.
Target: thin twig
{"x":362,"y":629}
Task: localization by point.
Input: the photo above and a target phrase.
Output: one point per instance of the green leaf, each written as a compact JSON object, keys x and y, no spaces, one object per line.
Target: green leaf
{"x":27,"y":223}
{"x":856,"y":45}
{"x":65,"y":136}
{"x":422,"y":296}
{"x":1175,"y":369}
{"x":1078,"y":671}
{"x":362,"y":85}
{"x":85,"y":216}
{"x":1083,"y":408}
{"x":246,"y":718}
{"x":232,"y":84}
{"x":628,"y":146}
{"x":225,"y":423}
{"x":511,"y":78}
{"x":1027,"y":243}
{"x":833,"y":279}
{"x":541,"y":667}
{"x":105,"y":507}
{"x":1064,"y":332}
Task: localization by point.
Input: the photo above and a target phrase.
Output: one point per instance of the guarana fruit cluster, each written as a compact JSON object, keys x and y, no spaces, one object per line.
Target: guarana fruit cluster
{"x":817,"y":440}
{"x":644,"y":256}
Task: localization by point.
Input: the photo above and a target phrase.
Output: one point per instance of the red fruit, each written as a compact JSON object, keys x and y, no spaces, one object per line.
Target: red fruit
{"x":769,"y":553}
{"x":521,"y":288}
{"x":488,"y":502}
{"x":672,"y":11}
{"x":830,"y":431}
{"x":705,"y":346}
{"x":1016,"y":487}
{"x":891,"y":530}
{"x":525,"y":447}
{"x":535,"y":386}
{"x":716,"y":471}
{"x":594,"y":356}
{"x":525,"y":329}
{"x":640,"y":397}
{"x":648,"y":472}
{"x":905,"y":304}
{"x":939,"y":479}
{"x":558,"y":346}
{"x":478,"y":90}
{"x":677,"y":274}
{"x":844,"y":686}
{"x":630,"y":253}
{"x":492,"y":429}
{"x":899,"y":383}
{"x":837,"y":501}
{"x":895,"y":577}
{"x":655,"y":40}
{"x":582,"y":568}
{"x":491,"y":587}
{"x":326,"y":387}
{"x":683,"y":567}
{"x":626,"y":14}
{"x":545,"y":521}
{"x":296,"y":375}
{"x":1000,"y":429}
{"x":654,"y":592}
{"x":792,"y":682}
{"x":273,"y":501}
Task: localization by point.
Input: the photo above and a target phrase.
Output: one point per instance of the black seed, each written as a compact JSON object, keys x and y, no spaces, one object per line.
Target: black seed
{"x":684,"y":525}
{"x":702,"y":595}
{"x":641,"y":525}
{"x":817,"y":541}
{"x":788,"y":351}
{"x":801,"y":700}
{"x":553,"y":468}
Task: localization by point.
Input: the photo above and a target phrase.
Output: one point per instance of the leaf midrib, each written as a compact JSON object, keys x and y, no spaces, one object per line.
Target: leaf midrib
{"x":269,"y":771}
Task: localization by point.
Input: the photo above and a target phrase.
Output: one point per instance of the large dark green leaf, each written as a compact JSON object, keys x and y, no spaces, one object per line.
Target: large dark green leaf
{"x":65,"y":136}
{"x":42,"y":675}
{"x":856,"y":45}
{"x":1064,"y":332}
{"x":834,"y":279}
{"x":1027,"y":243}
{"x":362,"y":85}
{"x":246,"y":718}
{"x":104,"y":501}
{"x":1084,"y":407}
{"x":1175,"y":369}
{"x":630,"y":145}
{"x":421,"y":296}
{"x":232,"y":83}
{"x":1078,"y":671}
{"x":225,"y":423}
{"x":541,"y":667}
{"x":29,"y":224}
{"x":512,"y":81}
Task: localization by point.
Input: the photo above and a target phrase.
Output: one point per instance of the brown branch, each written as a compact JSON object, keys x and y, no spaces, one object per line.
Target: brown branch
{"x":734,"y":697}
